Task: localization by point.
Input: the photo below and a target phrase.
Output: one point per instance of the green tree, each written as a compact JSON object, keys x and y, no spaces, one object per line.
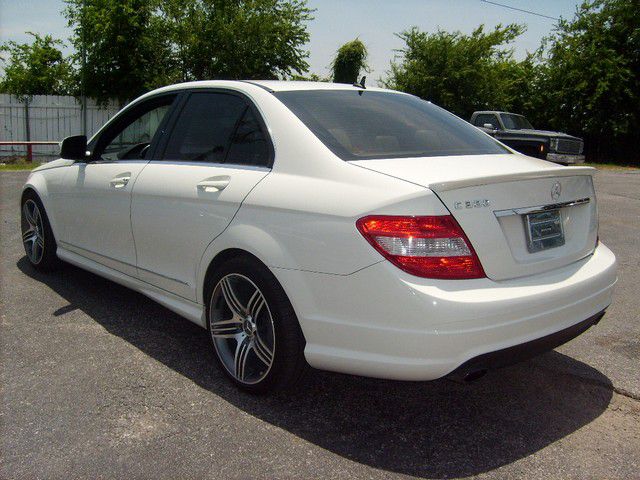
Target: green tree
{"x":350,"y":59}
{"x":126,"y":52}
{"x":36,"y":68}
{"x":312,"y":77}
{"x":590,"y":80}
{"x":461,"y":73}
{"x":521,"y":84}
{"x":227,"y":39}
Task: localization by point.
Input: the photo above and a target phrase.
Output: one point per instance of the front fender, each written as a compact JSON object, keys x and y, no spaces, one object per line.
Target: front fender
{"x":47,"y":183}
{"x":38,"y":184}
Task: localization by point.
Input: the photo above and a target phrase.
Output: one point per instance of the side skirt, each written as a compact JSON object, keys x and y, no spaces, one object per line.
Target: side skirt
{"x":186,"y":308}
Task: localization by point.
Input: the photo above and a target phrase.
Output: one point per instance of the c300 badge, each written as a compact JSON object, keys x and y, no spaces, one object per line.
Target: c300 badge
{"x":480,"y":203}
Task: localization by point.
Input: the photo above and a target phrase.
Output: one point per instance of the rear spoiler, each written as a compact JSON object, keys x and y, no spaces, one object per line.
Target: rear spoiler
{"x":510,"y":177}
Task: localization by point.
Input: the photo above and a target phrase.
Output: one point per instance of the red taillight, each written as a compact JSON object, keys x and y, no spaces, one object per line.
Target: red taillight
{"x":430,"y":247}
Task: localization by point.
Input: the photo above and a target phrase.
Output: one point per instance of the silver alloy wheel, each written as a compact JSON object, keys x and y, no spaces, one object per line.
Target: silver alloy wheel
{"x":32,"y":231}
{"x":242,"y":328}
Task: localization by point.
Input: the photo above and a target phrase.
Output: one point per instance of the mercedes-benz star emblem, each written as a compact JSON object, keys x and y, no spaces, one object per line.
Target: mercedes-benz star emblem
{"x":556,"y":190}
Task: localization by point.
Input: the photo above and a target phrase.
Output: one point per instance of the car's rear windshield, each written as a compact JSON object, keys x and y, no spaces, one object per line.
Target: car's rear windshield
{"x":362,"y":125}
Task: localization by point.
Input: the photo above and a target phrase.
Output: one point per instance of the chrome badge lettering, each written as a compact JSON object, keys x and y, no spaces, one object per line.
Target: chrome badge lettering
{"x":480,"y":203}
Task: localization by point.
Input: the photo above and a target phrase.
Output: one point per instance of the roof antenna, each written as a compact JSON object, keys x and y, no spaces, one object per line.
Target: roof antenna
{"x":361,"y":84}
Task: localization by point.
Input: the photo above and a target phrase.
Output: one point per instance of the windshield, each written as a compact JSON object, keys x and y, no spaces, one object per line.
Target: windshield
{"x":515,"y":122}
{"x":361,"y":125}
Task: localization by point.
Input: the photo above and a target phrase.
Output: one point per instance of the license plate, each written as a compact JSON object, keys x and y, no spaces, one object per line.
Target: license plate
{"x":544,"y":230}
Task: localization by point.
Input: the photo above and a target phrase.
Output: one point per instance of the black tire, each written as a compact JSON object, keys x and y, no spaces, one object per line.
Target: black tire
{"x":48,"y":260}
{"x":288,"y":363}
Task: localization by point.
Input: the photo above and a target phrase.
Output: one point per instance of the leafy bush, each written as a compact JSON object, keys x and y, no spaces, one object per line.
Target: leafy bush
{"x":350,"y":59}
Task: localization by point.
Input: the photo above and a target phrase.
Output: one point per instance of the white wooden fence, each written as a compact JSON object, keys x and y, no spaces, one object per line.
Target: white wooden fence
{"x":46,"y":118}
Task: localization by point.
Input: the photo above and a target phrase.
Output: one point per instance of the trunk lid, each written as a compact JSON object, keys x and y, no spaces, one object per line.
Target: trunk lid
{"x":496,"y":200}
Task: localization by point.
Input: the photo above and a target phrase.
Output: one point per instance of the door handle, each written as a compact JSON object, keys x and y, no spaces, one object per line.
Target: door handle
{"x":119,"y":182}
{"x":215,"y":184}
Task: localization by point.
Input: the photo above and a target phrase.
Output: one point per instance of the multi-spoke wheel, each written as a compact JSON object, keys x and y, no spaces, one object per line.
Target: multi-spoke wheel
{"x":253,"y":328}
{"x":37,"y":237}
{"x":242,"y":328}
{"x":33,"y":234}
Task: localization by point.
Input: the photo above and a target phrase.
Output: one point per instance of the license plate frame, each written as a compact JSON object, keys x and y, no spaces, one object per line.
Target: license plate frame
{"x":544,"y":230}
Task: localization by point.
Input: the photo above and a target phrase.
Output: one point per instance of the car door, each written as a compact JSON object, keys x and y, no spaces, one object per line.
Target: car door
{"x":217,"y":151}
{"x":97,"y":208}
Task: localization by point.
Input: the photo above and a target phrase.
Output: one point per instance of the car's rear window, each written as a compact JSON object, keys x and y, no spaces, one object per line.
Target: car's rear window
{"x":361,"y":125}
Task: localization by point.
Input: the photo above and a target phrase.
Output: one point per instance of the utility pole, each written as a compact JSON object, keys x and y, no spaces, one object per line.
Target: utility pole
{"x":83,"y":54}
{"x":27,"y":128}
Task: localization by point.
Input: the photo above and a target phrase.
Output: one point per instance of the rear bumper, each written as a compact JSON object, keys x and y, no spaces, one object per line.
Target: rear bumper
{"x":524,"y":351}
{"x":380,"y":322}
{"x":565,"y":158}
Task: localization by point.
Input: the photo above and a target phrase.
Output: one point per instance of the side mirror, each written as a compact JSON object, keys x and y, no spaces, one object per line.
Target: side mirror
{"x":489,"y":126}
{"x":74,"y":148}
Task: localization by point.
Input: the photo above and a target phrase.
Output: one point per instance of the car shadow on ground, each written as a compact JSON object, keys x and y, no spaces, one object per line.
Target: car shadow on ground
{"x":430,"y":429}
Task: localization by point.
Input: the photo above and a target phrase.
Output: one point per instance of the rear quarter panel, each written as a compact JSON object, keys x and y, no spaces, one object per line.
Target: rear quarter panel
{"x":304,"y":223}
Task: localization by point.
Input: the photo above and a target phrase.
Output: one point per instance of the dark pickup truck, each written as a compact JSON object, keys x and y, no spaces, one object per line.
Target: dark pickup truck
{"x":516,"y":131}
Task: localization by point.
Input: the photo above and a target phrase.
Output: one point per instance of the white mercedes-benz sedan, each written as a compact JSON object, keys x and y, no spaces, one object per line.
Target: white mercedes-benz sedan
{"x":352,"y":229}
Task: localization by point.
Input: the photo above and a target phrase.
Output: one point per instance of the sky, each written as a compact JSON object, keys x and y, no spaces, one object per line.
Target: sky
{"x":375,"y":22}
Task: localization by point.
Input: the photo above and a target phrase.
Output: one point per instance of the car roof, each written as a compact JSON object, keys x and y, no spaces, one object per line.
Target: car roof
{"x":288,"y":85}
{"x":270,"y":85}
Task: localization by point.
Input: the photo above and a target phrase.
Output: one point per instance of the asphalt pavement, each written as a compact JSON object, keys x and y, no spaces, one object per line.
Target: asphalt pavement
{"x":97,"y":381}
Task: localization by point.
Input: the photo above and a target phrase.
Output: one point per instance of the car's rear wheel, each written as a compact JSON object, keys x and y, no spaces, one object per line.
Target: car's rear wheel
{"x":37,"y":236}
{"x":254,"y":331}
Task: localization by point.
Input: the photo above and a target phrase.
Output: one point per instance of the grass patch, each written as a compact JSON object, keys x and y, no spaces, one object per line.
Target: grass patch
{"x":16,"y":166}
{"x":610,"y":166}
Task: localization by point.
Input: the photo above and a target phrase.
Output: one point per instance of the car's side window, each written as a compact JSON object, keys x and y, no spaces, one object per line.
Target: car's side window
{"x":483,"y":118}
{"x":131,"y":137}
{"x":203,"y":131}
{"x":249,"y":146}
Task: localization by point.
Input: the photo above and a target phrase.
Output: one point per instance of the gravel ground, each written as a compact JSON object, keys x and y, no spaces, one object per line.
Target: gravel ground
{"x":97,"y":381}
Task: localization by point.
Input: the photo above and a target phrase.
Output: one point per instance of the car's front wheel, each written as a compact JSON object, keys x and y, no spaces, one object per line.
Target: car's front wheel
{"x":255,"y":333}
{"x":37,"y":236}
